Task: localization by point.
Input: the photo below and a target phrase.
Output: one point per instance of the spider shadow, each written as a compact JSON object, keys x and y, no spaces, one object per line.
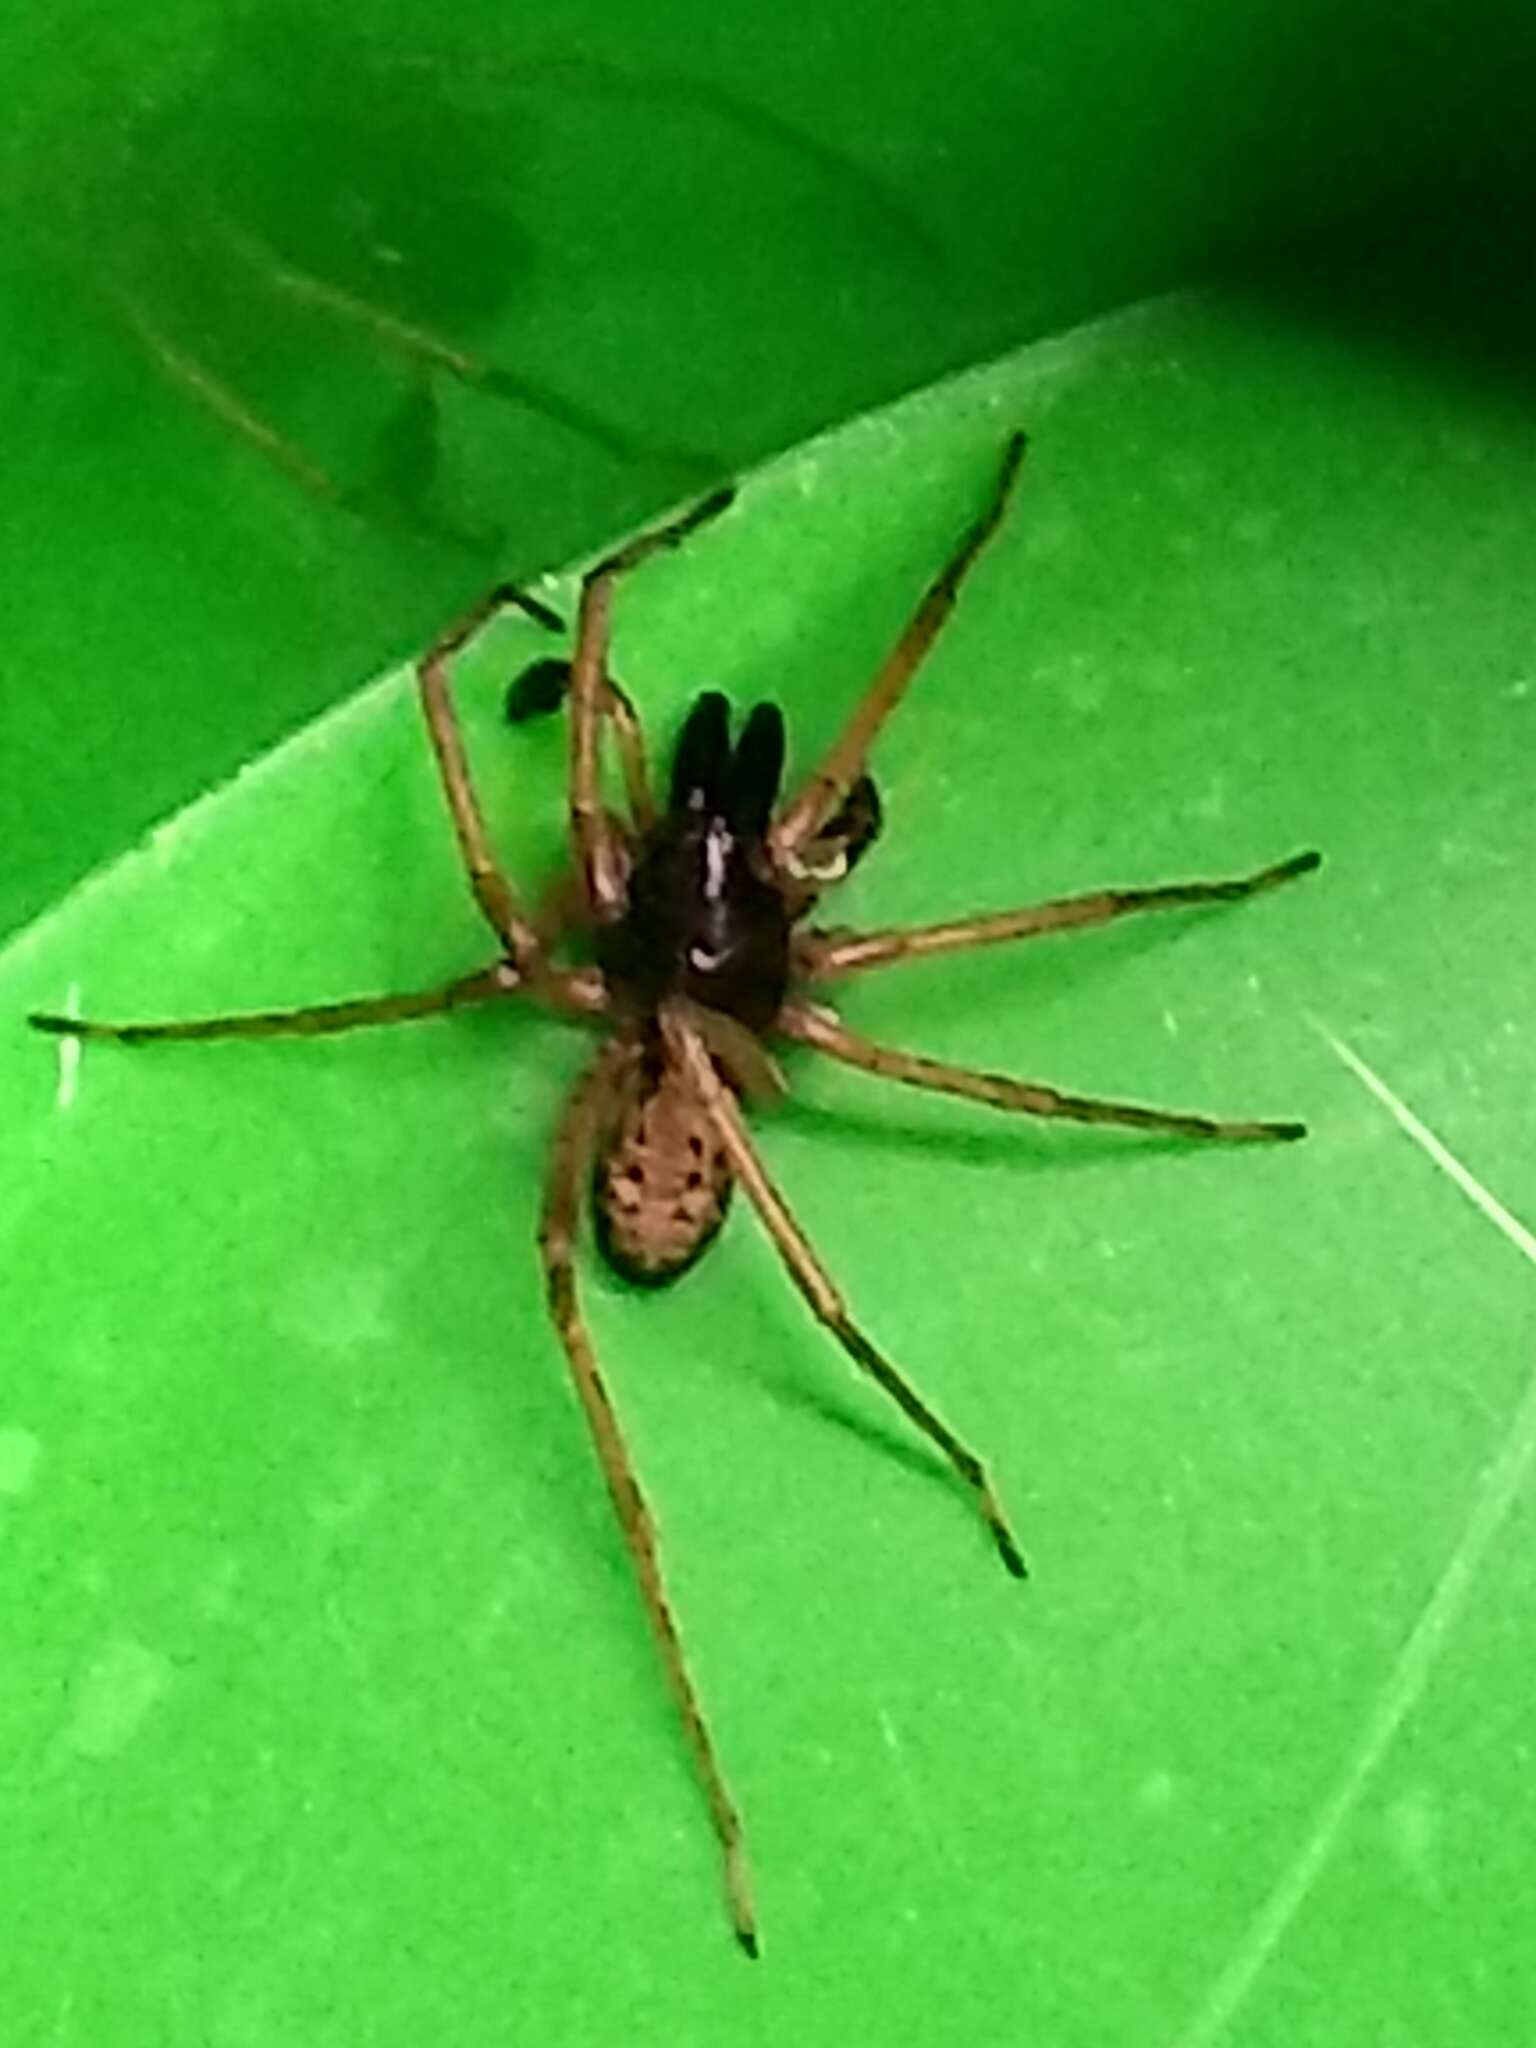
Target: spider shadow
{"x":792,"y":1367}
{"x":848,"y":1407}
{"x":1077,"y":1148}
{"x":1081,"y":1146}
{"x":867,"y":1429}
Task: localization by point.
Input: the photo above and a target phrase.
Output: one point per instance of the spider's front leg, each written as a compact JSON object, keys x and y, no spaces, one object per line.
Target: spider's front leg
{"x":492,"y":891}
{"x":543,"y":687}
{"x":804,"y":819}
{"x":600,"y":857}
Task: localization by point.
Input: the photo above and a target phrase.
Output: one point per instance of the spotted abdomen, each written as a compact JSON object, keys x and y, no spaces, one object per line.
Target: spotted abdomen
{"x":662,"y":1186}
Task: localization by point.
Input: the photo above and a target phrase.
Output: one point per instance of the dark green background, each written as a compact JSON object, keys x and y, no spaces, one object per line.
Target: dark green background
{"x":327,"y":1710}
{"x":715,"y":230}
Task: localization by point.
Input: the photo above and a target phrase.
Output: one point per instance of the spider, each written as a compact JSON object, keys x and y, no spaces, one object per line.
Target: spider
{"x":694,"y":915}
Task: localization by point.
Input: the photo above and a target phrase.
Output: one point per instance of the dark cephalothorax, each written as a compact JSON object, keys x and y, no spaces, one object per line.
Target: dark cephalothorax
{"x":700,"y":960}
{"x":705,"y":918}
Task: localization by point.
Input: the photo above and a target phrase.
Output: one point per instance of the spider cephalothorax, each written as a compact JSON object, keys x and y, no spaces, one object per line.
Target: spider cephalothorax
{"x":704,"y":917}
{"x":701,"y":961}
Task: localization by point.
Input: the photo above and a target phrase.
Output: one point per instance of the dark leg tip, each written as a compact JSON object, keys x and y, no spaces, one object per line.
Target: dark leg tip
{"x":42,"y":1020}
{"x":1301,"y":864}
{"x":534,"y":608}
{"x":747,"y":1938}
{"x":537,"y":690}
{"x":1011,"y":1555}
{"x":1288,"y":1133}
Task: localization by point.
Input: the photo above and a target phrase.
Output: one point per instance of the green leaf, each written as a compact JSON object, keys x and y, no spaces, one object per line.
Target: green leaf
{"x":329,"y":1699}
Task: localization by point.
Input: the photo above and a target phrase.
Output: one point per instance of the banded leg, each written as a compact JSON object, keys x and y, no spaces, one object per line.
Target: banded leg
{"x":492,"y":891}
{"x":315,"y":1020}
{"x":818,"y":1289}
{"x":419,"y":345}
{"x":828,"y":786}
{"x":543,"y":686}
{"x":825,"y":956}
{"x":576,"y":992}
{"x":570,"y":1170}
{"x":597,"y":856}
{"x":226,"y":404}
{"x":807,"y":1024}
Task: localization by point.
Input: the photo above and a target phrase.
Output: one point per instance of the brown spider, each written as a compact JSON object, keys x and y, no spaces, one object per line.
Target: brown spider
{"x":695,"y":914}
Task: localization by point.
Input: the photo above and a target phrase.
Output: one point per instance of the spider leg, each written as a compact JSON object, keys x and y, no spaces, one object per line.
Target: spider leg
{"x":808,"y":1024}
{"x":577,"y":992}
{"x":818,"y":1288}
{"x":598,"y":856}
{"x":492,"y":891}
{"x":226,"y":404}
{"x":570,"y":1168}
{"x":829,"y":784}
{"x":315,"y":1020}
{"x":825,"y":956}
{"x":543,"y":686}
{"x":419,"y":345}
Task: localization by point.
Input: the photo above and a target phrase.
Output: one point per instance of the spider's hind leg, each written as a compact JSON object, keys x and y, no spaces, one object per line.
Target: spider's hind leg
{"x":820,"y":1291}
{"x":587,"y":1113}
{"x":598,"y":860}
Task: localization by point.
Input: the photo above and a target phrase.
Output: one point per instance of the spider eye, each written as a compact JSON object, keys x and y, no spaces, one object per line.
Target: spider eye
{"x":702,"y":764}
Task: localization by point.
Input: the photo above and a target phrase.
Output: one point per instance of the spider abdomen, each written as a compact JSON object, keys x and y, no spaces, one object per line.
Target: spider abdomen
{"x":662,"y":1185}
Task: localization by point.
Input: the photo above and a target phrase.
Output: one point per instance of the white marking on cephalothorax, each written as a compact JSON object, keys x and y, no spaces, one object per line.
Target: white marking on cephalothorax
{"x":704,"y":961}
{"x":69,"y":1056}
{"x":718,"y":846}
{"x":1494,"y":1498}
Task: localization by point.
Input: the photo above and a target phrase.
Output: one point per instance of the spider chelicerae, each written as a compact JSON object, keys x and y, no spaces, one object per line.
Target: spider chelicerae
{"x":695,"y":917}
